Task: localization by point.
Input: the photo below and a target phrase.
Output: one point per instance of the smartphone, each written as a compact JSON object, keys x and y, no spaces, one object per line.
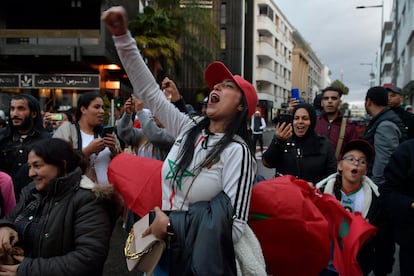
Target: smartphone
{"x":295,"y":94}
{"x":285,"y":118}
{"x":106,"y":129}
{"x":151,"y":216}
{"x":56,"y":116}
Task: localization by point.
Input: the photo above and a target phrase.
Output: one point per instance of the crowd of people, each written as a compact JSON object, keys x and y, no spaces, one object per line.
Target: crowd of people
{"x":59,"y":207}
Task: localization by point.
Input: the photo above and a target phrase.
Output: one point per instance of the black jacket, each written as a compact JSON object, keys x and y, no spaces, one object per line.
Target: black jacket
{"x":202,"y":243}
{"x":407,"y":120}
{"x":311,"y":160}
{"x":13,"y":154}
{"x":398,"y":192}
{"x":67,"y":234}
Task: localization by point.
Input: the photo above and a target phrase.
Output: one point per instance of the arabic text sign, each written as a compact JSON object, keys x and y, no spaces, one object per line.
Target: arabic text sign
{"x":9,"y":80}
{"x":73,"y":81}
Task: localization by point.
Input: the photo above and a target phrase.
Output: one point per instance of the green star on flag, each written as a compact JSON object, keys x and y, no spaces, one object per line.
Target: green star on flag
{"x":179,"y":179}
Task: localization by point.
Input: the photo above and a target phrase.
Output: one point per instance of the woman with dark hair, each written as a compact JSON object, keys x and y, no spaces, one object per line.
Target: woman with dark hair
{"x":211,"y":162}
{"x":84,"y":134}
{"x":297,"y":150}
{"x":62,"y":225}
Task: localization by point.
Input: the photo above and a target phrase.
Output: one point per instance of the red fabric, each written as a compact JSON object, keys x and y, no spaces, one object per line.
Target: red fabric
{"x":138,"y":180}
{"x":291,"y":230}
{"x":294,"y":224}
{"x":349,"y":232}
{"x":137,"y":123}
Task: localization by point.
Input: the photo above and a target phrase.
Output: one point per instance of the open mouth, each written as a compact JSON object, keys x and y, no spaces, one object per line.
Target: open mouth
{"x":214,"y":98}
{"x":354,"y":171}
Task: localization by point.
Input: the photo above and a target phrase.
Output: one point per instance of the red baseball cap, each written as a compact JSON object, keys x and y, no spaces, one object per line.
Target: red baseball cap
{"x":217,"y":72}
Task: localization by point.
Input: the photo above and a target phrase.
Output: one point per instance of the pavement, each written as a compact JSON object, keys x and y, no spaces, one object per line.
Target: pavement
{"x":115,"y":263}
{"x":267,"y":138}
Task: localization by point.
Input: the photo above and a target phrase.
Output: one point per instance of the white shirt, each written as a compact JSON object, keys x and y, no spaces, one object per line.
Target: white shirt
{"x":98,"y":161}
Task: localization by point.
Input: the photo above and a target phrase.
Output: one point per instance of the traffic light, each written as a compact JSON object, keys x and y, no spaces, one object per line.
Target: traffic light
{"x":118,"y":102}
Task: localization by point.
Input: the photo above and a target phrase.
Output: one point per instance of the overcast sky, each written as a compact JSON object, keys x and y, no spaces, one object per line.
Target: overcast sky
{"x":342,"y":36}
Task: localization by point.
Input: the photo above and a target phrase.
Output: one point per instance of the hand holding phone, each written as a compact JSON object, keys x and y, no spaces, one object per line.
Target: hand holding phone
{"x":284,"y":118}
{"x":284,"y":127}
{"x":56,"y":116}
{"x":295,"y":94}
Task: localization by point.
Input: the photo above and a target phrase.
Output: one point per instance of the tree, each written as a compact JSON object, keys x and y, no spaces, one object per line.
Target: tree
{"x":340,"y":84}
{"x":156,"y":36}
{"x":344,"y":107}
{"x":179,"y":39}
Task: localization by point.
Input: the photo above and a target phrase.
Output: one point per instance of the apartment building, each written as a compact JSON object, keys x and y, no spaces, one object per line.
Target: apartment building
{"x":272,"y":61}
{"x":397,"y":49}
{"x":386,"y":53}
{"x":308,"y":70}
{"x":315,"y":77}
{"x":404,"y":47}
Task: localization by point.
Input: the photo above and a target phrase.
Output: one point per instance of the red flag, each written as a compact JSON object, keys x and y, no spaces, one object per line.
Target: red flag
{"x":291,"y":230}
{"x":294,"y":224}
{"x":138,"y":180}
{"x":347,"y":230}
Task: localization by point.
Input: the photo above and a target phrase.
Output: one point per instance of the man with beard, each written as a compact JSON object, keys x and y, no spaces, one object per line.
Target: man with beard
{"x":331,"y":123}
{"x":23,"y":130}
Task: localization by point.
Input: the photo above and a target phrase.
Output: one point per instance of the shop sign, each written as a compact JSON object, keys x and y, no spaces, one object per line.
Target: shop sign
{"x":63,"y":81}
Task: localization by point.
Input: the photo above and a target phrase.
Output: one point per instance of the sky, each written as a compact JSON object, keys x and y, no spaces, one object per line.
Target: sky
{"x":342,"y":37}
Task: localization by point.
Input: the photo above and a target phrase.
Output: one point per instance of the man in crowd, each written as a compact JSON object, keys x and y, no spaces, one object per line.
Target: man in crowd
{"x":257,"y":125}
{"x":331,"y":123}
{"x":384,"y":134}
{"x":25,"y":127}
{"x":397,"y":195}
{"x":395,"y":99}
{"x":383,"y":131}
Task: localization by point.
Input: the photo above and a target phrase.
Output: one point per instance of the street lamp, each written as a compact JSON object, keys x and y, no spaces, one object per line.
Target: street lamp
{"x":382,"y":21}
{"x":371,"y":74}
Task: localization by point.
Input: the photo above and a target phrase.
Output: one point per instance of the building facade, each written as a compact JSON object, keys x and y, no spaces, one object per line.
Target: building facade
{"x":397,"y":49}
{"x":272,"y":60}
{"x":56,"y":50}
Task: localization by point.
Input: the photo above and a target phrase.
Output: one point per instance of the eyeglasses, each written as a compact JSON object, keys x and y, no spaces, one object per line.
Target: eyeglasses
{"x":352,"y":160}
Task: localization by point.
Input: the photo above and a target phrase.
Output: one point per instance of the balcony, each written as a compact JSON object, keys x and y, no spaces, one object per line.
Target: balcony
{"x":266,"y":49}
{"x":387,"y":63}
{"x":265,"y":24}
{"x":265,"y":75}
{"x":387,"y":43}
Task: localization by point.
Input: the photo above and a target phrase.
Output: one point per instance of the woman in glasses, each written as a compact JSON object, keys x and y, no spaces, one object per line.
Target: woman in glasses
{"x":357,"y":193}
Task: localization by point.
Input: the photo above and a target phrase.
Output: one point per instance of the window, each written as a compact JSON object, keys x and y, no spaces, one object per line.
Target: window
{"x":222,"y":39}
{"x":266,"y":11}
{"x":223,"y":13}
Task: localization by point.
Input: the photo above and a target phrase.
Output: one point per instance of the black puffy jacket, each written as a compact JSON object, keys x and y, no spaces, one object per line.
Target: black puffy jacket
{"x":311,"y":160}
{"x":69,"y":232}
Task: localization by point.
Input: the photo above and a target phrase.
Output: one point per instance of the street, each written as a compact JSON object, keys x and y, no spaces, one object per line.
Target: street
{"x":262,"y":170}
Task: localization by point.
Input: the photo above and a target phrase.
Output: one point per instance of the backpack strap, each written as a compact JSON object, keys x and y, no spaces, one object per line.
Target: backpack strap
{"x":340,"y":138}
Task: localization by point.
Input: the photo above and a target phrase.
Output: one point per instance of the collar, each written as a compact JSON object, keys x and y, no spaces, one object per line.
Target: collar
{"x":17,"y":136}
{"x":352,"y":190}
